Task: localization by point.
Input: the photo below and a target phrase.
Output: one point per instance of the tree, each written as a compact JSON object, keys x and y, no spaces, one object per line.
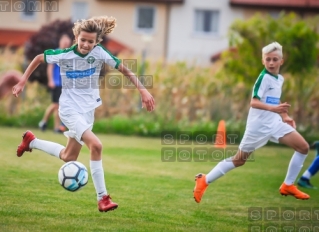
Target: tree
{"x":46,"y":38}
{"x":242,"y":67}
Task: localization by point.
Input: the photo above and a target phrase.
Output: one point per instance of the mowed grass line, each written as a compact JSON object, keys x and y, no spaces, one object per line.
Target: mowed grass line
{"x":152,"y":195}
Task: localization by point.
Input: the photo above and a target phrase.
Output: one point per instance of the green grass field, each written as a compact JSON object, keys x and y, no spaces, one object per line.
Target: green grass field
{"x":152,"y":195}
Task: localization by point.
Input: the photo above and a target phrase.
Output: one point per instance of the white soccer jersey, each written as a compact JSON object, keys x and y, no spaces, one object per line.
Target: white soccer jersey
{"x":80,"y":76}
{"x":267,"y":89}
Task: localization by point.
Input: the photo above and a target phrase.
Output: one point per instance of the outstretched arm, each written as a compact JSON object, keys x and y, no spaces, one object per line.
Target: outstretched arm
{"x":147,"y":98}
{"x":18,"y":88}
{"x":279,"y":109}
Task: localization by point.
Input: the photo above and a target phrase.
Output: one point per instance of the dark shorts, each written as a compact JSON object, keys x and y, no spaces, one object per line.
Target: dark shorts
{"x":56,"y":92}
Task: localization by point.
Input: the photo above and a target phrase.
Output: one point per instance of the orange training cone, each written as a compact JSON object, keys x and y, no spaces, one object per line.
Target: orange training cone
{"x":220,"y":140}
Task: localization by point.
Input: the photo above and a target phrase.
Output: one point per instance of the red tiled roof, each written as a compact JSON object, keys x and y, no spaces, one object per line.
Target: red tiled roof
{"x":14,"y":38}
{"x":116,"y":47}
{"x":278,"y":3}
{"x":149,"y":1}
{"x":17,"y":38}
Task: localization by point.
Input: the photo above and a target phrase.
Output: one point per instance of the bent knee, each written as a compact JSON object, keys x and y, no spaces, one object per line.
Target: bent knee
{"x":304,"y":148}
{"x":238,"y":163}
{"x":96,"y":147}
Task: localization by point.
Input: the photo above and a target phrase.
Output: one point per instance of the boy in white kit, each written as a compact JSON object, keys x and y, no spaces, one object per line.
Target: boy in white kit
{"x":80,"y":67}
{"x":267,"y":120}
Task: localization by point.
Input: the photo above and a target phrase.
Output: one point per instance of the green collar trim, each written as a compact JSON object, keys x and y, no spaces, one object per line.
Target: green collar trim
{"x":266,"y":71}
{"x":75,"y":50}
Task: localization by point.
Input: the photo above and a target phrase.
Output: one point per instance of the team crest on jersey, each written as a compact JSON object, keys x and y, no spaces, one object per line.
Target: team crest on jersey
{"x":90,"y":59}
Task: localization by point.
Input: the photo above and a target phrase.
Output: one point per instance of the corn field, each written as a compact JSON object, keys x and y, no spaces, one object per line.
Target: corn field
{"x":184,"y":94}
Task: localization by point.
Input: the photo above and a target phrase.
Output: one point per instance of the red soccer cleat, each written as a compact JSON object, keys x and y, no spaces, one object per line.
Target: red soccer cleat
{"x":27,"y":137}
{"x":106,"y":204}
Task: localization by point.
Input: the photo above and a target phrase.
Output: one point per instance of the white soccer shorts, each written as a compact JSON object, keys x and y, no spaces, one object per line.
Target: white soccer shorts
{"x":253,"y":140}
{"x":77,"y":123}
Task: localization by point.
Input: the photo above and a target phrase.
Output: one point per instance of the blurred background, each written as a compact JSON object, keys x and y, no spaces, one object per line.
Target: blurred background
{"x":200,"y":59}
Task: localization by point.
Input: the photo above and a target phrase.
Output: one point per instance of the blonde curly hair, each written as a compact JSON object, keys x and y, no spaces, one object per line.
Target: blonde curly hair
{"x":102,"y":25}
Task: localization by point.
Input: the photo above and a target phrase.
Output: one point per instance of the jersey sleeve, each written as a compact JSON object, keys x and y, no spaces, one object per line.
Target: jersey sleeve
{"x":108,"y":58}
{"x":260,"y":87}
{"x":52,"y":56}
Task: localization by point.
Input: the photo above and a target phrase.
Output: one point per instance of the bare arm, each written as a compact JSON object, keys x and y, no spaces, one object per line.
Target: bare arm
{"x":257,"y":104}
{"x":147,"y":98}
{"x":32,"y":66}
{"x":50,"y":75}
{"x":18,"y":88}
{"x":287,"y":119}
{"x":282,"y":108}
{"x":131,"y":76}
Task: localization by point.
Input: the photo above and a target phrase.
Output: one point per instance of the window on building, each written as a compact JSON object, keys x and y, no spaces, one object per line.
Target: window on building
{"x":206,"y":21}
{"x":79,"y":11}
{"x":145,"y":20}
{"x":274,"y":14}
{"x":28,"y":8}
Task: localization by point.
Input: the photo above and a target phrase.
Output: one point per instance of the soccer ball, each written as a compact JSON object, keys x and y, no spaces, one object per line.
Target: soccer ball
{"x":73,"y":176}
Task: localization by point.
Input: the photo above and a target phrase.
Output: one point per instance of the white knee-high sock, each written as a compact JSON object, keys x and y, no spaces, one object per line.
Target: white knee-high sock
{"x":219,"y":170}
{"x":97,"y":173}
{"x":294,"y":167}
{"x":51,"y":148}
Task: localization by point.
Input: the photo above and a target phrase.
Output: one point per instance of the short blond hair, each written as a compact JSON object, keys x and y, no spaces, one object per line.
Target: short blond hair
{"x":102,"y":25}
{"x":271,"y":48}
